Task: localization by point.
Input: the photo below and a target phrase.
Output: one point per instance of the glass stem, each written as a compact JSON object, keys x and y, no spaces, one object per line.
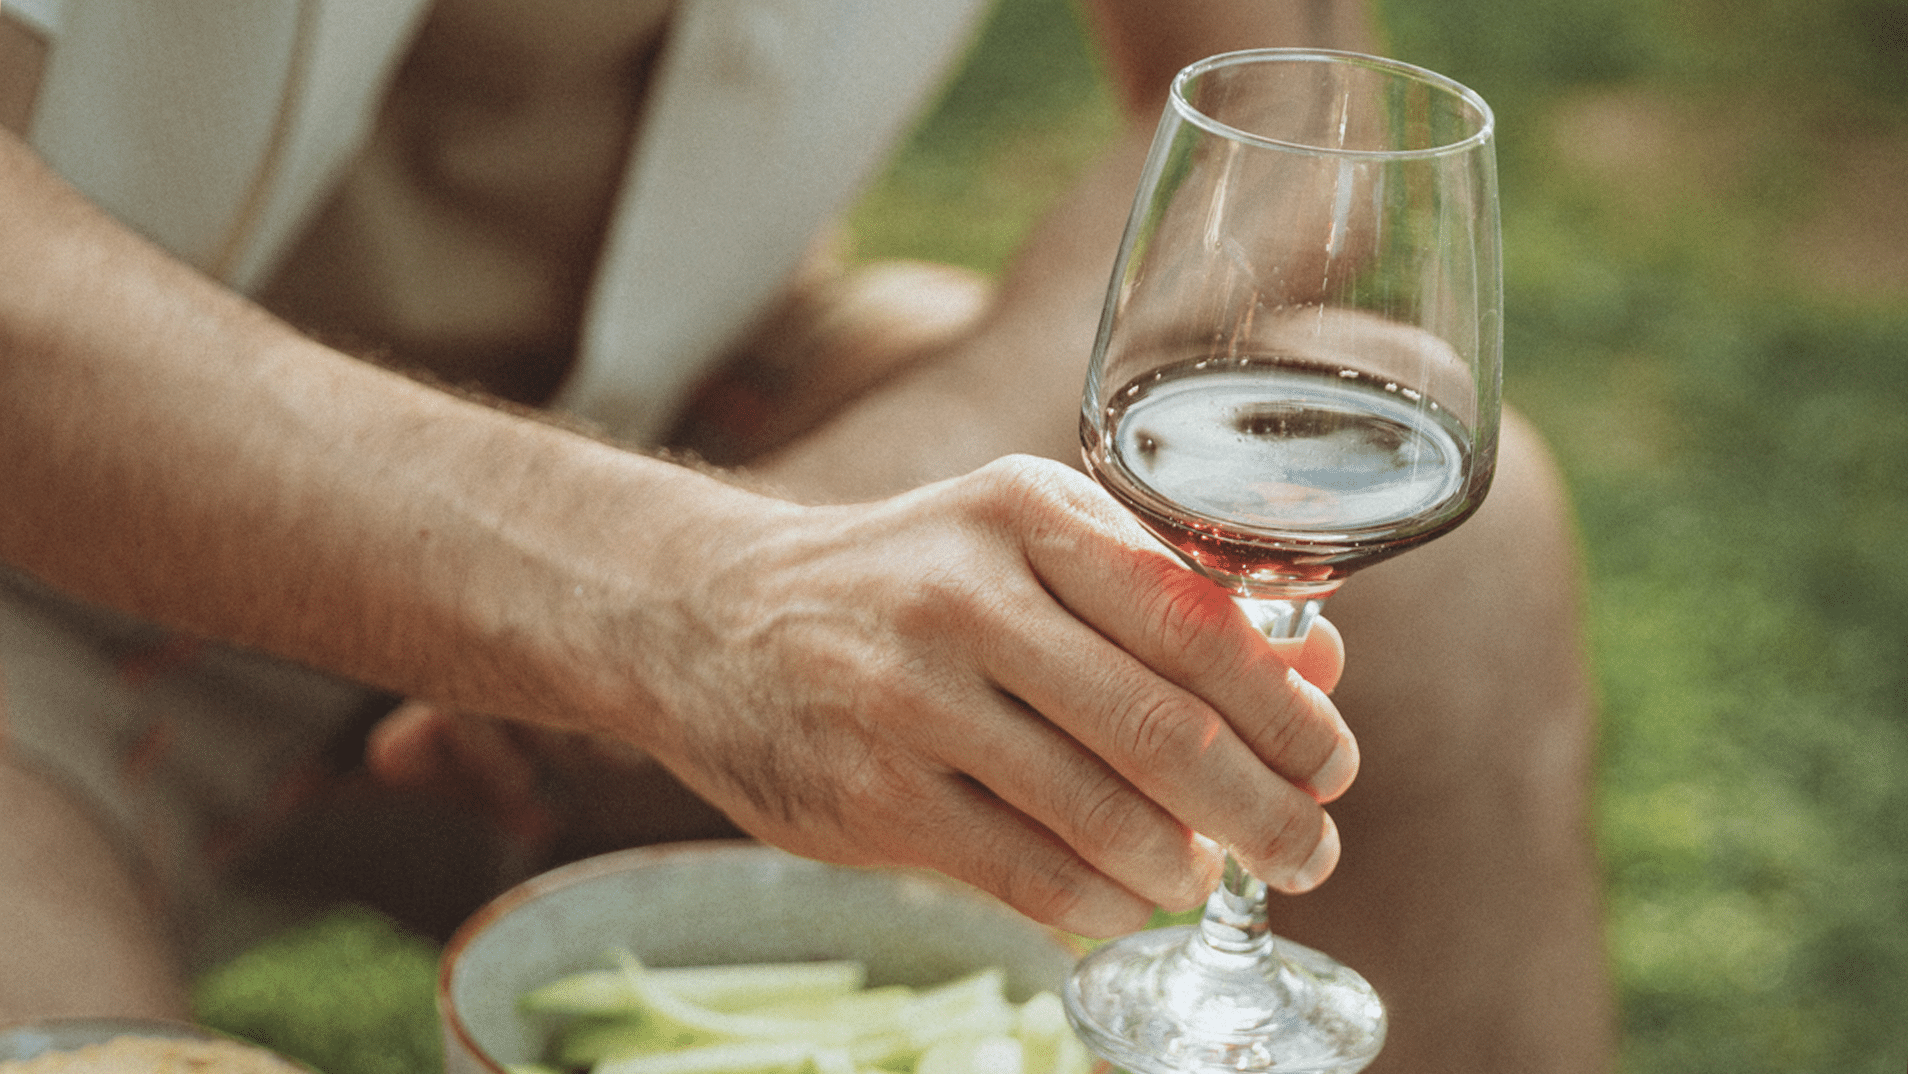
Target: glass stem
{"x":1235,"y":917}
{"x":1281,"y":619}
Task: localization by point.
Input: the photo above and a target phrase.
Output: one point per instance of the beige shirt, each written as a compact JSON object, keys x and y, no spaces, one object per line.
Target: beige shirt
{"x":238,"y":132}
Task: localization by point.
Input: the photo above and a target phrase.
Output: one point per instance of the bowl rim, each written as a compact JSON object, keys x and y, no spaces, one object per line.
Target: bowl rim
{"x":532,"y":889}
{"x":563,"y":876}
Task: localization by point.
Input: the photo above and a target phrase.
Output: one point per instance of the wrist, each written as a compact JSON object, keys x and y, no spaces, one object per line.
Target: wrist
{"x":596,"y":574}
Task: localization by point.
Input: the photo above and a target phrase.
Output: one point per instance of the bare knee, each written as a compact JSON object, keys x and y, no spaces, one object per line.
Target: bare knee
{"x":1469,"y":887}
{"x":1465,"y":657}
{"x":82,"y":940}
{"x":839,"y":333}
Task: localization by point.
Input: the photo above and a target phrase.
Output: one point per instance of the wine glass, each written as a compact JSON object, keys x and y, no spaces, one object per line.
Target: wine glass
{"x":1297,"y":375}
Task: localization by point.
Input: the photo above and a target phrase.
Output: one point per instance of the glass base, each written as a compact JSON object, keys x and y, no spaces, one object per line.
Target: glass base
{"x":1163,"y":1001}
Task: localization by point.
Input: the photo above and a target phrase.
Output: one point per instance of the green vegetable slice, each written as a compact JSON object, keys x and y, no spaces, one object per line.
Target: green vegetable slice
{"x":735,"y":1057}
{"x":798,"y":1018}
{"x":722,"y":988}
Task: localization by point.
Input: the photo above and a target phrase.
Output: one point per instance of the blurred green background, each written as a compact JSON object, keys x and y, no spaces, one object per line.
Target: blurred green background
{"x":1706,"y":218}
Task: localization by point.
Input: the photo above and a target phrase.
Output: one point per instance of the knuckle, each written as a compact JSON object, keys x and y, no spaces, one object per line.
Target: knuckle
{"x":939,"y":601}
{"x":1010,"y":486}
{"x":1182,"y":614}
{"x":967,"y":609}
{"x":1108,"y":814}
{"x":1286,"y":722}
{"x":1296,"y":736}
{"x":1286,"y":843}
{"x":1118,"y":826}
{"x":1163,"y":727}
{"x":1050,"y":889}
{"x":1187,"y":616}
{"x":1048,"y":505}
{"x":1028,"y":472}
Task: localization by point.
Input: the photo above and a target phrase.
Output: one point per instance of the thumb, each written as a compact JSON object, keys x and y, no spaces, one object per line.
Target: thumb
{"x":422,"y":747}
{"x":1319,"y":657}
{"x":406,"y":749}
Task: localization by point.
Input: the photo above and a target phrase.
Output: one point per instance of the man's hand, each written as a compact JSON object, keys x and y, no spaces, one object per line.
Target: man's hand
{"x":1000,"y":677}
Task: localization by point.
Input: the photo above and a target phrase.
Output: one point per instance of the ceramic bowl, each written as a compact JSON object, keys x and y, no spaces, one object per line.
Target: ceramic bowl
{"x":721,"y":903}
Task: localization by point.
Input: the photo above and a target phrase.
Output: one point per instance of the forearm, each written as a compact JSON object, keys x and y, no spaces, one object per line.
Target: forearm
{"x":168,"y":449}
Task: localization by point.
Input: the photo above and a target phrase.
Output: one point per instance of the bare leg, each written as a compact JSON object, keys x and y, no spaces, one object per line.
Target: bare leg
{"x":79,"y":939}
{"x":1468,"y":890}
{"x":839,"y":333}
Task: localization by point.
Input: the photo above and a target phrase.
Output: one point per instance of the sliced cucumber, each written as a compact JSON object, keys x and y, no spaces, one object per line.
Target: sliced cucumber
{"x":797,"y":1018}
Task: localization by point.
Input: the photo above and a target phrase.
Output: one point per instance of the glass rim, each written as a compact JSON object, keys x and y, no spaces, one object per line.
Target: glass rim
{"x":1477,"y":138}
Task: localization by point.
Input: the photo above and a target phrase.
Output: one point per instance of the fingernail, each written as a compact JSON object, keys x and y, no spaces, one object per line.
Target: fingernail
{"x":1209,"y":868}
{"x":1336,"y":774}
{"x":1320,"y":865}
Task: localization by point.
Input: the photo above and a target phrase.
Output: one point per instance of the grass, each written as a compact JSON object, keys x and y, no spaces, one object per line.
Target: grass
{"x":1731,"y":417}
{"x":1729,"y":402}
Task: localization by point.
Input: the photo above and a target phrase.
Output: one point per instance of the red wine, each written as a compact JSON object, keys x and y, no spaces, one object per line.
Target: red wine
{"x":1268,"y":473}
